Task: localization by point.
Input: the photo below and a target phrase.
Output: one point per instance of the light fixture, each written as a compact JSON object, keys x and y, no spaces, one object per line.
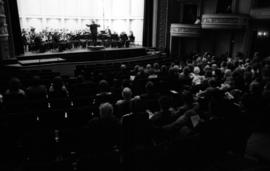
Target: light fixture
{"x":262,"y":34}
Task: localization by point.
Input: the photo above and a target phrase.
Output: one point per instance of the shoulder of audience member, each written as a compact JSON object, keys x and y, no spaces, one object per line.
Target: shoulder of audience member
{"x":156,"y":116}
{"x":119,"y":102}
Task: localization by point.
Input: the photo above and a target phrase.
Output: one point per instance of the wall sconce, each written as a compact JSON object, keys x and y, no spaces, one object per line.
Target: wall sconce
{"x":262,"y":34}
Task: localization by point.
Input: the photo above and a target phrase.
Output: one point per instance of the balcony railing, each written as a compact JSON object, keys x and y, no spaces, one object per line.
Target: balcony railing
{"x":185,"y":30}
{"x":224,"y":21}
{"x":260,"y":13}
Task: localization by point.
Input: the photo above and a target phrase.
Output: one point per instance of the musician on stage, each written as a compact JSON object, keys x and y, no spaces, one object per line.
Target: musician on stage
{"x":124,"y":39}
{"x":94,"y":31}
{"x":131,"y":38}
{"x":108,"y":31}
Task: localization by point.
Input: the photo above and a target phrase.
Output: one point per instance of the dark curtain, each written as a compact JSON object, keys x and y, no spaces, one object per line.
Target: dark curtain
{"x":148,"y":23}
{"x":16,"y":43}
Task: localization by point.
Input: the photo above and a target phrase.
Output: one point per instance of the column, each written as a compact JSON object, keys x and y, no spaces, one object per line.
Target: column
{"x":4,"y":47}
{"x":155,"y":23}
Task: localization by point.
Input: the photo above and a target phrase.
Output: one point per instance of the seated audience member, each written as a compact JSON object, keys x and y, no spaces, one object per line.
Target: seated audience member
{"x":14,"y":97}
{"x":238,"y":79}
{"x":82,"y":91}
{"x":37,"y":95}
{"x":164,"y":115}
{"x":135,"y":70}
{"x":150,"y":97}
{"x":124,"y":72}
{"x":197,"y":79}
{"x":185,"y":78}
{"x":137,"y":137}
{"x":100,"y":141}
{"x":265,"y":118}
{"x":58,"y":94}
{"x":104,"y":94}
{"x":123,"y":105}
{"x":252,"y":101}
{"x":104,"y":130}
{"x":183,"y":124}
{"x":148,"y":69}
{"x":188,"y":103}
{"x":163,"y":74}
{"x":156,"y":68}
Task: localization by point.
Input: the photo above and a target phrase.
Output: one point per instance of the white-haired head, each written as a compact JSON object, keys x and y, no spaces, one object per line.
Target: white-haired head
{"x":127,"y":93}
{"x":106,"y":110}
{"x":197,"y":70}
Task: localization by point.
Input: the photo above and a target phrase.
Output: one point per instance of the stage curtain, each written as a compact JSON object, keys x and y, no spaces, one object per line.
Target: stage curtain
{"x":14,"y":28}
{"x":148,"y":23}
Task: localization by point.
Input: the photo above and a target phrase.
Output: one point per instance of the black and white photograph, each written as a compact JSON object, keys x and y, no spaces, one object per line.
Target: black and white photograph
{"x":135,"y":85}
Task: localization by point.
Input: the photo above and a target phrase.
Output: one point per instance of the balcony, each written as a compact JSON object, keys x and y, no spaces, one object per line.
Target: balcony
{"x":185,"y":30}
{"x":224,"y":21}
{"x":260,"y":13}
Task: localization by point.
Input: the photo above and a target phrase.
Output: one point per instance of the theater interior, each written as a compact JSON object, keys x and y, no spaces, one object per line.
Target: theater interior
{"x":158,"y":85}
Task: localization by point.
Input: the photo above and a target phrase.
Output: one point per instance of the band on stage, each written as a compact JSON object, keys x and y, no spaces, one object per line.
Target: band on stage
{"x":63,"y":39}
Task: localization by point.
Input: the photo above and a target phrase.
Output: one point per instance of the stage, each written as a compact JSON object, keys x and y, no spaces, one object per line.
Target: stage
{"x":66,"y":62}
{"x":81,"y":55}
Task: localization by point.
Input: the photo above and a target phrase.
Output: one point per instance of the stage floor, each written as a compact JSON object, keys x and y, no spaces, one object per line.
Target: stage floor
{"x":81,"y":54}
{"x":74,"y":50}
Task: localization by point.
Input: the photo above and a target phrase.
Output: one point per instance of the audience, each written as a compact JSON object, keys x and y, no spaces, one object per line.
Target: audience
{"x":139,"y":109}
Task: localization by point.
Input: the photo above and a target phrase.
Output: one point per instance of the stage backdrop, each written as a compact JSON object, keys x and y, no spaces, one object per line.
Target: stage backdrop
{"x":119,"y":15}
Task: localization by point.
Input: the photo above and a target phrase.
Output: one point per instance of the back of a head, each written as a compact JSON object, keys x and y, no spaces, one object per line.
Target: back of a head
{"x":187,"y":97}
{"x":123,"y":67}
{"x":163,"y":68}
{"x":80,"y":78}
{"x":106,"y":110}
{"x":137,"y":106}
{"x":255,"y":87}
{"x":58,"y":82}
{"x":36,"y":80}
{"x":156,"y":65}
{"x":186,"y":71}
{"x":127,"y":93}
{"x":228,"y":73}
{"x":212,"y":82}
{"x":149,"y":87}
{"x":148,"y":66}
{"x":197,"y":70}
{"x":164,"y":102}
{"x":14,"y":84}
{"x":103,"y":86}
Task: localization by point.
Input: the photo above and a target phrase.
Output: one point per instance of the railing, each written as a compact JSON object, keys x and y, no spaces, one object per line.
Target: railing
{"x":185,"y":30}
{"x":224,"y":21}
{"x":260,"y":13}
